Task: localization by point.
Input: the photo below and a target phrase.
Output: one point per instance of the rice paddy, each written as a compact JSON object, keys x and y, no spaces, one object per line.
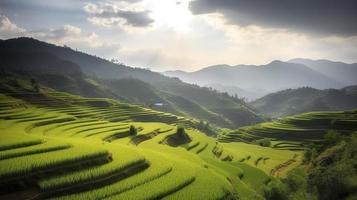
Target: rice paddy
{"x":63,"y":146}
{"x":294,"y":132}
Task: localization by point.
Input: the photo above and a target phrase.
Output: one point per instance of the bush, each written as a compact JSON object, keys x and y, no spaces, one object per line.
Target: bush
{"x":133,"y":130}
{"x":264,"y":142}
{"x":332,"y":137}
{"x":181,"y":132}
{"x":331,"y":183}
{"x":276,"y":190}
{"x":309,"y":155}
{"x":296,"y":180}
{"x":258,"y":160}
{"x":35,"y":85}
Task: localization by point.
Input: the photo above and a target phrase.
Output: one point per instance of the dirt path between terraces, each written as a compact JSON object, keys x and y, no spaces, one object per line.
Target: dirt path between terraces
{"x":281,"y":167}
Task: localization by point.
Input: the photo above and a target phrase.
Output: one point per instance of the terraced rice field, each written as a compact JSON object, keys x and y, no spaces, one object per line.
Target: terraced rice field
{"x":62,"y":146}
{"x":292,"y":132}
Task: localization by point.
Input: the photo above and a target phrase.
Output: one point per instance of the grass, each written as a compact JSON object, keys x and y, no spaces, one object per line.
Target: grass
{"x":26,"y":165}
{"x":83,"y":151}
{"x":47,"y":146}
{"x":304,"y":127}
{"x":252,"y":176}
{"x":122,"y":158}
{"x":242,"y":150}
{"x":12,"y":142}
{"x":155,"y":189}
{"x":158,"y":168}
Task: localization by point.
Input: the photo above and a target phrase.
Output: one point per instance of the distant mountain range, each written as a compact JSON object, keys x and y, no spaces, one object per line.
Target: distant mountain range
{"x":65,"y":69}
{"x":294,"y":101}
{"x":345,"y":73}
{"x":277,"y":75}
{"x":236,"y":91}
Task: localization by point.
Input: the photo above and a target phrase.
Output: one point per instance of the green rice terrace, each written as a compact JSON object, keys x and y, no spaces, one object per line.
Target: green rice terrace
{"x":59,"y":146}
{"x":294,"y":131}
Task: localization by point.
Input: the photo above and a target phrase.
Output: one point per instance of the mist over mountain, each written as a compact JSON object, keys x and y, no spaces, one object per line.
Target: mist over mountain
{"x":261,"y":79}
{"x":343,"y":72}
{"x":236,"y":91}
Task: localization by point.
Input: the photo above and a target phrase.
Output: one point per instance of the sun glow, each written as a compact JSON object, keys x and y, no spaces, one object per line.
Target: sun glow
{"x":171,"y":13}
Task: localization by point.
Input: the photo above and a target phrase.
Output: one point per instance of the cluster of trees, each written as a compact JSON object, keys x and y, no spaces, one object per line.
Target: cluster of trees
{"x":35,"y":85}
{"x":265,"y":142}
{"x":333,"y":173}
{"x":330,"y":175}
{"x":294,"y":186}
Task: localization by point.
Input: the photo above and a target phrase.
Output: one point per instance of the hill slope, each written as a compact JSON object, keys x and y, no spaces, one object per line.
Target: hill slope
{"x":236,"y":91}
{"x":61,"y":146}
{"x":262,"y":79}
{"x":306,"y":127}
{"x":102,"y":79}
{"x":294,"y":101}
{"x":345,"y":73}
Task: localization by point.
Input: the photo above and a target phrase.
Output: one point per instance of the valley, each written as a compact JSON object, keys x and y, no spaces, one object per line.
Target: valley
{"x":69,"y":130}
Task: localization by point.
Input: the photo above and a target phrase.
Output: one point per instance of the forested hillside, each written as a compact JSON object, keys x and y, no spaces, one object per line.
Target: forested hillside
{"x":72,"y":71}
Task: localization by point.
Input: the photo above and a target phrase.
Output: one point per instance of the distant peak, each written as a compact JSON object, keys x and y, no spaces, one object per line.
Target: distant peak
{"x":274,"y":62}
{"x":215,"y":67}
{"x":23,"y":39}
{"x":175,"y":71}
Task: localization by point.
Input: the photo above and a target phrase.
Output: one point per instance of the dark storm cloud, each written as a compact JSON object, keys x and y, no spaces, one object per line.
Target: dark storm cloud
{"x":110,"y":13}
{"x":136,"y":18}
{"x":133,"y":18}
{"x":336,"y":17}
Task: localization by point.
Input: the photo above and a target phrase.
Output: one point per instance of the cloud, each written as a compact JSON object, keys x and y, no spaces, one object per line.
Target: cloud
{"x":9,"y":29}
{"x":327,"y":17}
{"x":75,"y":38}
{"x":110,"y":14}
{"x":157,"y":59}
{"x":66,"y":35}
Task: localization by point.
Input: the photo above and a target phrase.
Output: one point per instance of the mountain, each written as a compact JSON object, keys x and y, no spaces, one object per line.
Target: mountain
{"x":50,"y":70}
{"x":65,"y":69}
{"x":89,"y":64}
{"x":345,"y":73}
{"x":235,"y":91}
{"x":295,"y":101}
{"x":261,"y":79}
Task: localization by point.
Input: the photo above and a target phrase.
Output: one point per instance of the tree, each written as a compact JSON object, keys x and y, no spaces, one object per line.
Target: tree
{"x":332,"y":137}
{"x":35,"y":85}
{"x":276,"y":190}
{"x":133,"y":130}
{"x":180,"y":132}
{"x":264,"y":142}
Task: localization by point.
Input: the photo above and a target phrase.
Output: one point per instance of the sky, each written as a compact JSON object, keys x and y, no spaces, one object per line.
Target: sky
{"x":189,"y":34}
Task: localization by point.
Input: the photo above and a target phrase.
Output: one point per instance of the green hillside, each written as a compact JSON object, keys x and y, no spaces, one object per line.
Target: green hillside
{"x":295,"y":101}
{"x":327,"y":141}
{"x":67,"y":70}
{"x":62,"y":146}
{"x":295,"y":132}
{"x":66,"y":133}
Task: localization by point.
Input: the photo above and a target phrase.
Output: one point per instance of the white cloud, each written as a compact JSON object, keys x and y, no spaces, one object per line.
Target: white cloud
{"x":66,"y":35}
{"x":74,"y":37}
{"x":9,"y":29}
{"x":176,"y":38}
{"x":258,"y":45}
